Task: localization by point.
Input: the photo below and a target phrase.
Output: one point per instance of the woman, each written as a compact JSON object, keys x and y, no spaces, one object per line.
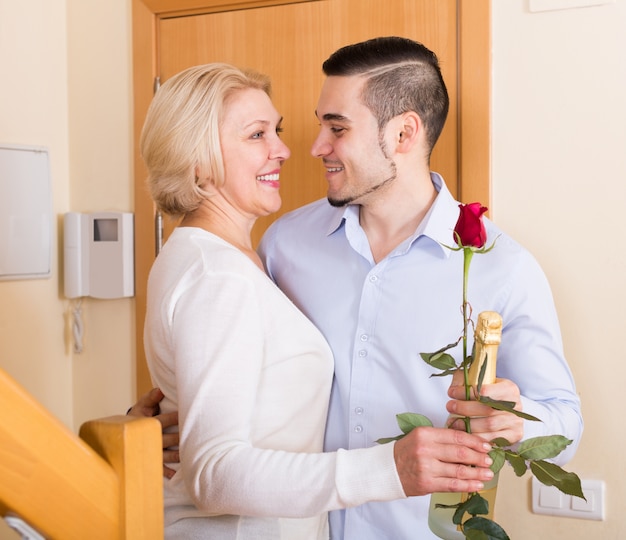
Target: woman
{"x":248,"y":373}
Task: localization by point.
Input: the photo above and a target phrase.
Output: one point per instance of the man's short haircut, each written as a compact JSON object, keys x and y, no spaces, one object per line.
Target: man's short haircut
{"x":402,"y":75}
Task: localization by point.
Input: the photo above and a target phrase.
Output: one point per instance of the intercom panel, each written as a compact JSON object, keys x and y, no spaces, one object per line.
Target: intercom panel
{"x":99,"y":255}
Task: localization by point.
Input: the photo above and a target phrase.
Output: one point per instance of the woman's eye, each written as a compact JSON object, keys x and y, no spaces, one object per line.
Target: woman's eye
{"x":257,"y":135}
{"x":279,"y":130}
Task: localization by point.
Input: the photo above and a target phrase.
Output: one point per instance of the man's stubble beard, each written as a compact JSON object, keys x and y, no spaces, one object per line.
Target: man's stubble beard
{"x":339,"y":203}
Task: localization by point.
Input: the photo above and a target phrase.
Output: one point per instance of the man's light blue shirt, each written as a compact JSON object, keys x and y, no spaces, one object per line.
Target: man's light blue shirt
{"x":378,"y":318}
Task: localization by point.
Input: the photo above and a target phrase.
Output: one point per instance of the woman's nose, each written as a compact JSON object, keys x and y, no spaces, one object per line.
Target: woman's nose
{"x":280,"y":150}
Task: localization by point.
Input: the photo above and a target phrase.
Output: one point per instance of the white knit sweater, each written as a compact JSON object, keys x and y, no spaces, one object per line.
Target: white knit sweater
{"x":250,"y":376}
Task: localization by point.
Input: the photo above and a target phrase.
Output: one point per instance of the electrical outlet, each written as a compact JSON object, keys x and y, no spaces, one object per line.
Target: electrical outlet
{"x":550,"y":501}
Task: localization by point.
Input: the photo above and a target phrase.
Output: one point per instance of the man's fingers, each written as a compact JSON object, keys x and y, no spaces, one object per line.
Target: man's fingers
{"x":147,"y":404}
{"x":168,"y":419}
{"x":170,"y":440}
{"x":151,"y":398}
{"x":167,"y":472}
{"x":171,"y":456}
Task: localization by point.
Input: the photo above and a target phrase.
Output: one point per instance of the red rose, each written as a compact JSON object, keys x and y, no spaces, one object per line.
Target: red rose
{"x":470,"y":230}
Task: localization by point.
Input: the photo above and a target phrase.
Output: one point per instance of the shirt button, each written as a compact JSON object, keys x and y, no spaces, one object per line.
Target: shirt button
{"x":362,"y":353}
{"x":358,"y":429}
{"x":364,"y":337}
{"x":373,"y":279}
{"x":358,"y":410}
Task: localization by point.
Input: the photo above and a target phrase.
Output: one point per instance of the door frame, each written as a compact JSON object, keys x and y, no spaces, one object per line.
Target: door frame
{"x":474,"y":117}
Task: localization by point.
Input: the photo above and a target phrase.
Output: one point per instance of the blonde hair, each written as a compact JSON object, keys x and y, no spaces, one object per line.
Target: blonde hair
{"x":180,"y":142}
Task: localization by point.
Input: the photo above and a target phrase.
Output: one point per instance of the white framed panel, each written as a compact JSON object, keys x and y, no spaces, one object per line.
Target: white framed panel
{"x":25,"y":213}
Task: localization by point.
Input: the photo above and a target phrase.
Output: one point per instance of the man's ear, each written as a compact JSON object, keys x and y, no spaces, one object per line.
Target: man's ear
{"x":410,"y":129}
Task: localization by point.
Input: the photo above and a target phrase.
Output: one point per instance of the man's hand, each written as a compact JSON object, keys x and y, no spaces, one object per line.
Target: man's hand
{"x":148,"y":405}
{"x":485,"y":421}
{"x":439,"y":459}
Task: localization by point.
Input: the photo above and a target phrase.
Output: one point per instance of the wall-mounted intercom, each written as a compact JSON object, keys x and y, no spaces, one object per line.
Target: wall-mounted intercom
{"x":99,"y":255}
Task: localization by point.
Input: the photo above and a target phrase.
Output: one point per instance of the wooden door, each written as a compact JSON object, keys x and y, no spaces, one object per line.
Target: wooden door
{"x":289,"y":40}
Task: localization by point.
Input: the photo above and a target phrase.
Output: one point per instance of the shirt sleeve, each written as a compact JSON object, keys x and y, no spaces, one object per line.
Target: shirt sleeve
{"x":531,"y":355}
{"x":218,"y":363}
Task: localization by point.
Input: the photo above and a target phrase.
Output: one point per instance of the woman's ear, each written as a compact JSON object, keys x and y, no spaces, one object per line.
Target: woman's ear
{"x":204,"y":182}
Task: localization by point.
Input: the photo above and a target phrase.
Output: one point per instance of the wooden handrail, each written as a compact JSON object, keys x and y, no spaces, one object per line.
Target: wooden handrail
{"x":105,"y":484}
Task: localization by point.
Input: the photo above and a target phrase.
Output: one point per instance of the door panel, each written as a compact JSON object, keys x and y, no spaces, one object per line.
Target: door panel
{"x":289,"y":41}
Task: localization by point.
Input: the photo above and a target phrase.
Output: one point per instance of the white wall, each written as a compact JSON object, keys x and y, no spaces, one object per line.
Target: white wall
{"x":65,"y":84}
{"x":101,"y":179}
{"x":33,"y":111}
{"x":559,"y":185}
{"x":559,"y":170}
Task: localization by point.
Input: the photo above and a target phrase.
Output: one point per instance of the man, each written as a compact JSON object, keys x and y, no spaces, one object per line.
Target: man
{"x":371,"y":270}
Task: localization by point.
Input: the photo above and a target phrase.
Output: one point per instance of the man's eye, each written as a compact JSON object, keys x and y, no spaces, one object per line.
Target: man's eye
{"x":336,"y":130}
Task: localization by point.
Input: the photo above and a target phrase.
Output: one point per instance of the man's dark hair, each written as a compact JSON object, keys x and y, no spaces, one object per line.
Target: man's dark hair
{"x":402,"y":75}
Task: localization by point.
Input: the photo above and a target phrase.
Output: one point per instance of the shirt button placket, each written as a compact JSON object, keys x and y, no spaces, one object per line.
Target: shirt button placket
{"x":360,"y":369}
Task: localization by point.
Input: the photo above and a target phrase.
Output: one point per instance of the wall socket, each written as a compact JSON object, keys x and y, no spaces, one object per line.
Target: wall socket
{"x":550,"y":501}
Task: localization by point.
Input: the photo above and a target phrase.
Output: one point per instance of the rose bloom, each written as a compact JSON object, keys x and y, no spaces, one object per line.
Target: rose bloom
{"x":470,"y":230}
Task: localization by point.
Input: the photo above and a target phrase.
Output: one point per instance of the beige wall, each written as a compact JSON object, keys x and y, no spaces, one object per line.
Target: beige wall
{"x":559,"y":81}
{"x":65,"y":85}
{"x":559,"y":169}
{"x":33,"y":111}
{"x":101,"y":179}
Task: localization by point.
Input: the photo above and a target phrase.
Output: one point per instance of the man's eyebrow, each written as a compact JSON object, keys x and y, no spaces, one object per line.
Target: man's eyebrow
{"x":334,"y":117}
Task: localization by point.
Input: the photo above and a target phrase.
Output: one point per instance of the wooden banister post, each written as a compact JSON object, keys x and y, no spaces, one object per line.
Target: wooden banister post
{"x":132,"y":446}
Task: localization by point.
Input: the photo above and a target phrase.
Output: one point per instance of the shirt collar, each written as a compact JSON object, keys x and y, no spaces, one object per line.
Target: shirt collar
{"x":339,"y":217}
{"x":438,"y":224}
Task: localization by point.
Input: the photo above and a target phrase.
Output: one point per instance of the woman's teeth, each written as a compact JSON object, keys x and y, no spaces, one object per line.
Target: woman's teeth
{"x":268,"y":177}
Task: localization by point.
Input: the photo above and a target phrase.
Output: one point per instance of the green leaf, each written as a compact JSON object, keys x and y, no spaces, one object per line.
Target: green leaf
{"x":518,"y":463}
{"x":385,"y":440}
{"x":500,"y":442}
{"x":497,"y":404}
{"x":481,"y":376}
{"x":497,"y":454}
{"x":490,"y":529}
{"x":543,"y":447}
{"x":409,"y":421}
{"x":451,"y":371}
{"x":475,"y":534}
{"x":456,"y":248}
{"x":474,"y":505}
{"x":439,"y":360}
{"x":553,"y":475}
{"x":506,"y":406}
{"x":448,"y":506}
{"x":486,"y":249}
{"x":468,"y":361}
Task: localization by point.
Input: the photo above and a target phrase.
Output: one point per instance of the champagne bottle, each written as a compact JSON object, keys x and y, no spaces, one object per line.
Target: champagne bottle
{"x":487,"y":337}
